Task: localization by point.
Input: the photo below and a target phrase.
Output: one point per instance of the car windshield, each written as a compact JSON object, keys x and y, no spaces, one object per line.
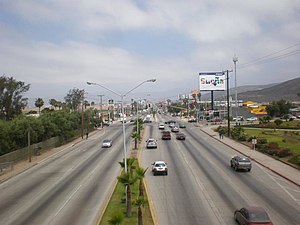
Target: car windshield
{"x":259,"y":216}
{"x":106,"y":141}
{"x":159,"y":165}
{"x":244,"y":160}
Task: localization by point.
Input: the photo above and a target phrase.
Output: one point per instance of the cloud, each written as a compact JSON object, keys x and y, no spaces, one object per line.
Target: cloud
{"x":123,"y":42}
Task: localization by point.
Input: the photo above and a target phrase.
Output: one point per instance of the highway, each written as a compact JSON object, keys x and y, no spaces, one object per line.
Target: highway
{"x":69,"y":188}
{"x":202,"y":188}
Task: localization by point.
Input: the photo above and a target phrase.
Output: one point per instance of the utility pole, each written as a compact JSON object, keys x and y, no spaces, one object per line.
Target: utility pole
{"x":235,"y":59}
{"x":29,"y":148}
{"x":82,"y":115}
{"x":228,"y":105}
{"x":101,"y":116}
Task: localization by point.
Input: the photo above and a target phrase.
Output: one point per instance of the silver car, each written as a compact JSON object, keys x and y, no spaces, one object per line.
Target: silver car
{"x":159,"y":167}
{"x":106,"y":143}
{"x":151,"y":143}
{"x":240,"y":163}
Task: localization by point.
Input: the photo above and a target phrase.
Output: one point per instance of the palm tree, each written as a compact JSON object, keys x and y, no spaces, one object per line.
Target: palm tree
{"x":140,"y":173}
{"x":39,"y":103}
{"x":140,"y":202}
{"x":127,"y":180}
{"x":136,"y":137}
{"x":130,"y":164}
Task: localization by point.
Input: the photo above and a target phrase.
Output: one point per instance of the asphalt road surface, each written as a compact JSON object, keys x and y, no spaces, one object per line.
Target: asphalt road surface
{"x":202,"y":188}
{"x":68,"y":188}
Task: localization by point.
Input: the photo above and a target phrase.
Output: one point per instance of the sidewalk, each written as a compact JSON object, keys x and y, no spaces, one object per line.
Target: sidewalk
{"x":280,"y":168}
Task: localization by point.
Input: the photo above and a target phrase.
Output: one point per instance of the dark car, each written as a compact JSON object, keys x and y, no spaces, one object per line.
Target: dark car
{"x":170,"y":121}
{"x":166,"y":135}
{"x":252,"y":215}
{"x":180,"y":136}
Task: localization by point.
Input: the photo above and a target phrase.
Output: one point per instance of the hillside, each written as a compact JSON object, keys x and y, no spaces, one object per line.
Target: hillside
{"x":287,"y":90}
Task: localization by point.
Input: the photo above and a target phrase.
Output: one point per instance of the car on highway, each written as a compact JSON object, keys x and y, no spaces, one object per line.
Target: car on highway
{"x":192,"y":120}
{"x":240,"y":163}
{"x":159,"y":167}
{"x":161,"y":126}
{"x":107,"y":143}
{"x":151,"y":143}
{"x":252,"y":216}
{"x":175,"y":129}
{"x":170,"y":121}
{"x":166,"y":135}
{"x":180,"y":136}
{"x":181,"y":125}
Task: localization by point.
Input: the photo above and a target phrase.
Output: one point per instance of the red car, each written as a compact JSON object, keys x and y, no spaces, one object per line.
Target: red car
{"x":252,"y":216}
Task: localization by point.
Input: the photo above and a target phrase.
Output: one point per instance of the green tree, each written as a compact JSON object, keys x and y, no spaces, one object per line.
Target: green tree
{"x":140,"y":173}
{"x":39,"y":103}
{"x":74,"y":98}
{"x":12,"y":101}
{"x":127,"y":180}
{"x":286,"y":117}
{"x":136,"y":137}
{"x":278,"y":122}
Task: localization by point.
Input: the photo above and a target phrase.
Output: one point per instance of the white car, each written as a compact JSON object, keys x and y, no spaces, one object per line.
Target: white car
{"x":107,"y":143}
{"x":251,"y":119}
{"x":151,"y":143}
{"x":161,"y":126}
{"x":159,"y":167}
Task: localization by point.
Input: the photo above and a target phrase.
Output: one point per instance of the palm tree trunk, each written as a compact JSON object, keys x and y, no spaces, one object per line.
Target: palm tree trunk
{"x":141,"y":189}
{"x":135,"y":143}
{"x":140,"y":216}
{"x":128,"y":213}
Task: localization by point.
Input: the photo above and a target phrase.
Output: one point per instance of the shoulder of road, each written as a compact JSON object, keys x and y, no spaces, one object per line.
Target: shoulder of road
{"x":284,"y":170}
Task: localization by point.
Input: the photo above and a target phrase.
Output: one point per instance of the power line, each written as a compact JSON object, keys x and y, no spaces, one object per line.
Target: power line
{"x":267,"y":58}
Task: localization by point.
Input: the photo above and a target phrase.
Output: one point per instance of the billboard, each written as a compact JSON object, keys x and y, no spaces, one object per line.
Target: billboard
{"x":212,"y":81}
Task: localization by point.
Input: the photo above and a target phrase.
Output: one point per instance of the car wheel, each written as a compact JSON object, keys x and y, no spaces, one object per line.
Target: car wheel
{"x":166,"y":173}
{"x":235,"y":168}
{"x":249,"y":170}
{"x":231,"y":164}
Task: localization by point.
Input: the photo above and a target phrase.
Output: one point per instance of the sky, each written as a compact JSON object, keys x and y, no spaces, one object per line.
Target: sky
{"x":59,"y":45}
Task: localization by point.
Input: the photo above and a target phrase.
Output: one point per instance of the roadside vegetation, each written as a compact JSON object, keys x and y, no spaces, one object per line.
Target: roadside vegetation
{"x":136,"y":210}
{"x":283,"y":144}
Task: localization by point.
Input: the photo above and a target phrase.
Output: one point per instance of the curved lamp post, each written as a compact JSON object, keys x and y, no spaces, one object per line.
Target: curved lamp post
{"x":122,"y":108}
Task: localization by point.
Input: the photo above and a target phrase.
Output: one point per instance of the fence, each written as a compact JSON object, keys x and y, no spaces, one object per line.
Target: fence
{"x":34,"y":150}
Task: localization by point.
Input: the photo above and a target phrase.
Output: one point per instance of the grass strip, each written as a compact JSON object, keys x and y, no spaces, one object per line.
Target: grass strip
{"x":117,"y":204}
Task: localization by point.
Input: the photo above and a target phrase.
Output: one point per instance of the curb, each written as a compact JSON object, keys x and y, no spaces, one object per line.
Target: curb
{"x":283,"y":176}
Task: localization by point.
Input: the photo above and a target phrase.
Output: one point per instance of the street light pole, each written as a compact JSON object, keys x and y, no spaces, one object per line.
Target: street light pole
{"x":235,"y":59}
{"x":122,"y":108}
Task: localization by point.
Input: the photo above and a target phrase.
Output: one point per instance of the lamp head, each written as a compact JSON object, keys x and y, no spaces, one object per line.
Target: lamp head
{"x":89,"y":83}
{"x":151,"y":80}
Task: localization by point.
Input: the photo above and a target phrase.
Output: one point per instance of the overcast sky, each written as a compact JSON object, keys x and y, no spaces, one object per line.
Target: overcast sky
{"x":59,"y":45}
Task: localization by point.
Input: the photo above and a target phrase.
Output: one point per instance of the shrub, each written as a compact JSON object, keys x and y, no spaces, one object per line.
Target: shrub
{"x":295,"y":160}
{"x":273,"y":152}
{"x":262,"y":141}
{"x":284,"y":152}
{"x":284,"y":140}
{"x":273,"y":145}
{"x":262,"y":148}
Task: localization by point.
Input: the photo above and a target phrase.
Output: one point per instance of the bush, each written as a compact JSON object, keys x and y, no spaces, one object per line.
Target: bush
{"x":295,"y":160}
{"x":273,"y":152}
{"x":284,"y":152}
{"x":273,"y":145}
{"x":262,"y":148}
{"x":262,"y":141}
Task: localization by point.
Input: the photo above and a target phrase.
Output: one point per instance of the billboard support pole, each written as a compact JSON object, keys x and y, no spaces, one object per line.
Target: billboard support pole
{"x":228,"y":105}
{"x":212,"y":100}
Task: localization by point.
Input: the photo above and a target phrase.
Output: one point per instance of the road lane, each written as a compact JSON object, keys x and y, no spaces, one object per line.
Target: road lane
{"x":206,"y":185}
{"x":68,"y":188}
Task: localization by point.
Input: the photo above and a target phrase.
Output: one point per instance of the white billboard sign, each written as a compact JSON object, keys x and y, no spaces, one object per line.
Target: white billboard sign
{"x":212,"y":81}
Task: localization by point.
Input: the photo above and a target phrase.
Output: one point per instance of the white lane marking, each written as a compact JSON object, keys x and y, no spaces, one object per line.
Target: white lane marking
{"x":281,"y":186}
